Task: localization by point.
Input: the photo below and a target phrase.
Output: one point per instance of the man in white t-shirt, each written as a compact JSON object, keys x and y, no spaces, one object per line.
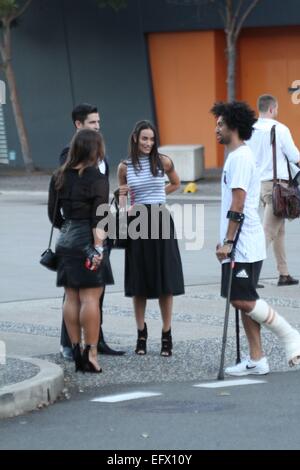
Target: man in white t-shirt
{"x":240,"y":198}
{"x":260,"y":144}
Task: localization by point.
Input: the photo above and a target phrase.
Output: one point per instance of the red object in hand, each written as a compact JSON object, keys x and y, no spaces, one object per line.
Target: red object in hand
{"x":89,"y":265}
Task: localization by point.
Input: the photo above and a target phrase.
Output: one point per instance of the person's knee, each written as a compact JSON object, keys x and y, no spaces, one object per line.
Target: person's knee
{"x":243,"y":305}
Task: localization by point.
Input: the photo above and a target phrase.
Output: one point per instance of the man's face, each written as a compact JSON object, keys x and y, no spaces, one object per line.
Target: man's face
{"x":91,"y":122}
{"x":222,"y":132}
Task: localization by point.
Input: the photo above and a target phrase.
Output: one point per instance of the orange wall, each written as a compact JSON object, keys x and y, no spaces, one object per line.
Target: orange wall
{"x":189,"y":75}
{"x":269,"y":61}
{"x":187,"y":79}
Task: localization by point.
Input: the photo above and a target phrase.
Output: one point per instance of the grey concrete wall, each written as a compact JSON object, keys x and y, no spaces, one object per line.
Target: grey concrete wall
{"x":69,"y":51}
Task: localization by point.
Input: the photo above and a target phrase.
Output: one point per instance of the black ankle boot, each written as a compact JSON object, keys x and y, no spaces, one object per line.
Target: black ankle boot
{"x":166,"y":343}
{"x":141,"y":344}
{"x":76,"y":353}
{"x":104,"y":348}
{"x":88,"y":366}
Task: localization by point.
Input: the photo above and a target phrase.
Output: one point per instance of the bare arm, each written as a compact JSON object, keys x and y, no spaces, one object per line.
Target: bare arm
{"x":123,"y":188}
{"x":237,"y":205}
{"x":174,"y":181}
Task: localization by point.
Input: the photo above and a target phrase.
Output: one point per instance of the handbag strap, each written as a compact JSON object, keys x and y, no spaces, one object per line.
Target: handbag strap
{"x":289,"y":171}
{"x":273,"y":142}
{"x":53,"y":219}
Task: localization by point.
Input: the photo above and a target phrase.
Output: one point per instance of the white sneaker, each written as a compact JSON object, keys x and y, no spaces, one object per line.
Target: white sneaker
{"x":248,"y":367}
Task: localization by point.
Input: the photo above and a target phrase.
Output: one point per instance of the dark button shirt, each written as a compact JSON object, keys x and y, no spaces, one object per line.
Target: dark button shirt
{"x":80,"y":196}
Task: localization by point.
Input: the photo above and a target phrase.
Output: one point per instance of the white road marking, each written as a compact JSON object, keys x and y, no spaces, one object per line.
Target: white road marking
{"x":230,"y":383}
{"x":125,"y":397}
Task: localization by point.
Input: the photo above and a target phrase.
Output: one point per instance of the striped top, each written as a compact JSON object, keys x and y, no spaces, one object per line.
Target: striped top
{"x":144,"y":187}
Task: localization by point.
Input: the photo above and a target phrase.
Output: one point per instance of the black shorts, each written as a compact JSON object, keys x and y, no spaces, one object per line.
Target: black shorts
{"x":244,"y":280}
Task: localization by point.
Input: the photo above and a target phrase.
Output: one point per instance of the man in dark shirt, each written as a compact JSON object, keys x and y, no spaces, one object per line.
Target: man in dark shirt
{"x":86,"y":116}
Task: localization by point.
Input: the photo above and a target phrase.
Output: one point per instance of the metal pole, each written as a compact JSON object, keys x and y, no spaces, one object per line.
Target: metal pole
{"x":237,"y":336}
{"x":225,"y":327}
{"x":226,"y":317}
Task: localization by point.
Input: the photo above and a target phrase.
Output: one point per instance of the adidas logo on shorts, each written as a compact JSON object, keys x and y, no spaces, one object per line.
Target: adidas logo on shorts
{"x":242,"y":274}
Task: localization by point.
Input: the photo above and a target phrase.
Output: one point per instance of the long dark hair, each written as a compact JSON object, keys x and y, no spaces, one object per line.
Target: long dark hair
{"x":134,"y":153}
{"x":87,"y":148}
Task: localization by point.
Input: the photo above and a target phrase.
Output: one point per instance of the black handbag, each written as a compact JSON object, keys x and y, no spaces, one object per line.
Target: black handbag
{"x":285,"y":199}
{"x":120,"y":239}
{"x":49,"y":258}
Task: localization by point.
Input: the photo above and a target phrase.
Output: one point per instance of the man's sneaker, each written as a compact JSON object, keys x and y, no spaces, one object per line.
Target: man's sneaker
{"x":248,"y":367}
{"x":287,"y":280}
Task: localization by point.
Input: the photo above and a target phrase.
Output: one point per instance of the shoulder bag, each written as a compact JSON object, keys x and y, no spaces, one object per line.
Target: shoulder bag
{"x":49,"y":258}
{"x":285,"y":199}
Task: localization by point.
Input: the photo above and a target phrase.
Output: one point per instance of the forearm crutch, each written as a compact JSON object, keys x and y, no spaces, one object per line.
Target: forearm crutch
{"x":237,"y":336}
{"x":226,"y":317}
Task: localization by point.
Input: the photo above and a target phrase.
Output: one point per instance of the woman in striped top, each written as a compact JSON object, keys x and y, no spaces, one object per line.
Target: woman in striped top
{"x":153,"y":267}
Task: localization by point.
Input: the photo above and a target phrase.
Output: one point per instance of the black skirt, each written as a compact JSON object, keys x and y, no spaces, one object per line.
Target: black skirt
{"x":75,"y":239}
{"x":153,"y":264}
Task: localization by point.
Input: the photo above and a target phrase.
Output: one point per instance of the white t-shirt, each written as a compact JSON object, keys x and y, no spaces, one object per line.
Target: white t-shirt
{"x":260,"y":144}
{"x":102,"y":167}
{"x":240,"y":172}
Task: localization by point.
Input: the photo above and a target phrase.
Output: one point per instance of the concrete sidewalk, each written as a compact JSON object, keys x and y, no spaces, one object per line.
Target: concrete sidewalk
{"x":35,"y":375}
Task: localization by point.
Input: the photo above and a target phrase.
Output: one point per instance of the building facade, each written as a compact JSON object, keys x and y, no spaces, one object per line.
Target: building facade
{"x":153,"y":60}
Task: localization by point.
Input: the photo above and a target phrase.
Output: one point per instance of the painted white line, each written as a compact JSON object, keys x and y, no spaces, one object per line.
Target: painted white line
{"x":126,"y":396}
{"x":230,"y":383}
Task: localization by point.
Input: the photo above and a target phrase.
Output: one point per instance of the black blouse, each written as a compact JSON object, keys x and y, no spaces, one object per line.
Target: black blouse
{"x":80,"y":196}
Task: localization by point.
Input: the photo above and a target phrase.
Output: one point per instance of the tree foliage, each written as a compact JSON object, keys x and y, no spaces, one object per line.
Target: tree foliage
{"x":10,"y":9}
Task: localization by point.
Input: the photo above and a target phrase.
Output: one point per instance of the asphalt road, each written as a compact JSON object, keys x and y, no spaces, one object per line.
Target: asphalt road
{"x":257,"y":416}
{"x":24,"y":234}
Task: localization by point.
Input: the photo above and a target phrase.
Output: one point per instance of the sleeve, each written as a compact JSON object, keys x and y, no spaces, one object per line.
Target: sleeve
{"x":100,"y":196}
{"x":241,"y":171}
{"x":63,"y":155}
{"x":288,"y":146}
{"x":58,"y":219}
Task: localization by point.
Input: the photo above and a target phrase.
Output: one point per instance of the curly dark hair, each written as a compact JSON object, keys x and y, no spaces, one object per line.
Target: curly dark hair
{"x":237,"y":115}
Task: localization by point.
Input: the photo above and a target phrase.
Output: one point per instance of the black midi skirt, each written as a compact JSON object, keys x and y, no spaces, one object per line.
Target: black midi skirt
{"x":75,"y":239}
{"x":153,"y":264}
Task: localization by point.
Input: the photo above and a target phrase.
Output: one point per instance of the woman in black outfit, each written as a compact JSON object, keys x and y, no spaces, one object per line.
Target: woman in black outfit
{"x":83,"y":266}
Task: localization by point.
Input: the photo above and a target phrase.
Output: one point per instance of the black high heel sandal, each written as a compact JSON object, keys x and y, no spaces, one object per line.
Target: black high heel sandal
{"x":88,"y":366}
{"x":166,"y":343}
{"x":141,"y":344}
{"x":76,"y":353}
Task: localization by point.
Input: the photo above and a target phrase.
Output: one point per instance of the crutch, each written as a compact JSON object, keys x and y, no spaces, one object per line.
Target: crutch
{"x":226,"y":318}
{"x":237,"y":336}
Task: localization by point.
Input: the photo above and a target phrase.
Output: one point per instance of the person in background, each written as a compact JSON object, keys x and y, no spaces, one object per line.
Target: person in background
{"x":153,"y":267}
{"x":86,"y":116}
{"x":260,"y":144}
